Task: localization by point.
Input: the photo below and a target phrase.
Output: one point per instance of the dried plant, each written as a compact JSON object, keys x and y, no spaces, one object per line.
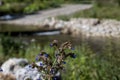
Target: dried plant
{"x":51,"y":66}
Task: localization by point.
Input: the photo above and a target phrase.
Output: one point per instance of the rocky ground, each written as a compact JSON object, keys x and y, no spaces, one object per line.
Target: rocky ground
{"x":87,"y":27}
{"x":78,"y":27}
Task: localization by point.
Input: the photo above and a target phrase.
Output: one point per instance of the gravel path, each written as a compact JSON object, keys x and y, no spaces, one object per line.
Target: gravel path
{"x":35,"y":19}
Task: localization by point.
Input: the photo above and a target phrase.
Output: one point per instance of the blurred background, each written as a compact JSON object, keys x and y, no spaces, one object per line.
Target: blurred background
{"x":93,"y":27}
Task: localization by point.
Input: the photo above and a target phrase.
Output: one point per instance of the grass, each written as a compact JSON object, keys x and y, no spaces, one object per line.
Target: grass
{"x":93,"y":66}
{"x":101,"y":12}
{"x":90,"y":64}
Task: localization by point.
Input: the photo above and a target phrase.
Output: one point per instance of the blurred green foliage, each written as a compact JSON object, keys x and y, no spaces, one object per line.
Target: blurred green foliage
{"x":90,"y":65}
{"x":101,"y":9}
{"x":107,"y":2}
{"x":100,"y":12}
{"x":9,"y":45}
{"x":26,"y":6}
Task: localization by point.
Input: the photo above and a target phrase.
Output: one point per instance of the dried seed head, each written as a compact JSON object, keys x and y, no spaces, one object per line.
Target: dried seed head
{"x":54,"y":43}
{"x":52,"y":67}
{"x":72,"y":55}
{"x":1,"y":70}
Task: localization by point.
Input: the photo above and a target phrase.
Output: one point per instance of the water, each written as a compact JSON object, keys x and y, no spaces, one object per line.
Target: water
{"x":10,"y":17}
{"x":41,"y":37}
{"x":48,"y":33}
{"x":45,"y":39}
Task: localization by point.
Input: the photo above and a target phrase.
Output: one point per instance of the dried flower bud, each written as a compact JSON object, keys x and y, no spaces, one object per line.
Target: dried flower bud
{"x":46,"y":55}
{"x":73,"y":56}
{"x":52,"y":71}
{"x":51,"y":45}
{"x":41,"y":64}
{"x":54,"y":43}
{"x":72,"y":48}
{"x":30,"y":66}
{"x":1,"y":70}
{"x":64,"y":62}
{"x":39,"y":79}
{"x":33,"y":65}
{"x":37,"y":58}
{"x":56,"y":78}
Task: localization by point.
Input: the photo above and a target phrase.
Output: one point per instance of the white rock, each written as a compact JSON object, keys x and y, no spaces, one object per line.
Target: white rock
{"x":13,"y":64}
{"x":28,"y":72}
{"x":59,"y":25}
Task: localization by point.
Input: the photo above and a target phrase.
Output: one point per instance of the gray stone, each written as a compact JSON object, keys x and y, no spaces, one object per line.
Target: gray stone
{"x":28,"y":73}
{"x":13,"y":64}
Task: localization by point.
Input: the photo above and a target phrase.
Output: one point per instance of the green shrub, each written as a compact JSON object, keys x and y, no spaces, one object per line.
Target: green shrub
{"x":54,"y":4}
{"x":5,"y":9}
{"x":12,"y":8}
{"x":31,"y":8}
{"x":26,"y":6}
{"x":10,"y":46}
